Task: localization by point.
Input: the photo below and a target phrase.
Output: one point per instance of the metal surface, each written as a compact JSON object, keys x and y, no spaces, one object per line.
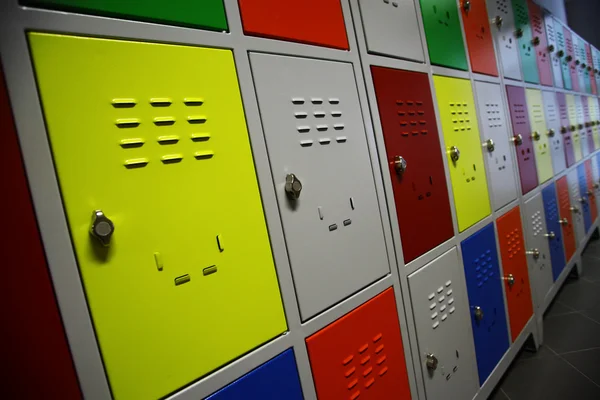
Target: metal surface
{"x":581,"y":127}
{"x":527,"y":50}
{"x":541,"y":144}
{"x":565,"y":128}
{"x":552,"y":49}
{"x":540,"y":43}
{"x":553,"y":226}
{"x":587,"y":125}
{"x":591,"y":192}
{"x":561,"y":53}
{"x":555,"y":137}
{"x":478,"y":35}
{"x":584,"y":198}
{"x":575,"y":130}
{"x":570,"y":59}
{"x":594,"y":119}
{"x":503,"y":27}
{"x":576,"y":207}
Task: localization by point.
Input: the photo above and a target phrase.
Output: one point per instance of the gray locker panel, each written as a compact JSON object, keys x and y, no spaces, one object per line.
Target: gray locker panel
{"x":391,"y":28}
{"x":314,"y":130}
{"x":581,"y":125}
{"x":555,"y":139}
{"x":443,"y":323}
{"x":553,"y":50}
{"x":504,"y":36}
{"x":596,"y":177}
{"x":540,"y":268}
{"x":498,"y":158}
{"x":576,"y":213}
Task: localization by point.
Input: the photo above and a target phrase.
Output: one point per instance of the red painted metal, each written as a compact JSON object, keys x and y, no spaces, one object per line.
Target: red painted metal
{"x":479,"y":37}
{"x":564,"y":208}
{"x":589,"y":178}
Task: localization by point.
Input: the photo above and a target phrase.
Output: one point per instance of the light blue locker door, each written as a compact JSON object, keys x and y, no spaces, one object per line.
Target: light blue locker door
{"x":557,"y":252}
{"x":585,"y":205}
{"x":486,"y":299}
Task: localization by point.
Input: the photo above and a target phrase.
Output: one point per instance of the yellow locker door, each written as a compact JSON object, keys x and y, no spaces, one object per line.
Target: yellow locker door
{"x":153,"y":137}
{"x":463,"y":148}
{"x":539,"y":131}
{"x":594,"y":119}
{"x":572,"y":108}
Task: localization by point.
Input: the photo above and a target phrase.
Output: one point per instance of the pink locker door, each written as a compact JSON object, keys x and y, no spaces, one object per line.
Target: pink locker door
{"x":540,"y":43}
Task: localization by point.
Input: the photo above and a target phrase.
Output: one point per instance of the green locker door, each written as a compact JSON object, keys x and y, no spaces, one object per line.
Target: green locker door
{"x":209,"y":14}
{"x":154,"y":137}
{"x":444,"y":36}
{"x":463,"y":148}
{"x":539,"y":132}
{"x":524,"y":39}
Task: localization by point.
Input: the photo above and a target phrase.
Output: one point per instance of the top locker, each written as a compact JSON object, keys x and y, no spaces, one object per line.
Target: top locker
{"x":208,"y":14}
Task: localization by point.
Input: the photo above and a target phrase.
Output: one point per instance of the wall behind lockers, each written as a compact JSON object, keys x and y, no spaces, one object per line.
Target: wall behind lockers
{"x":582,"y":16}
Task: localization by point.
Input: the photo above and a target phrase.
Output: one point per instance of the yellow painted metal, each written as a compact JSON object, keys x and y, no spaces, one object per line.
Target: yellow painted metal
{"x":594,"y":117}
{"x":459,"y":124}
{"x":543,"y":160}
{"x":573,"y":120}
{"x":169,"y":305}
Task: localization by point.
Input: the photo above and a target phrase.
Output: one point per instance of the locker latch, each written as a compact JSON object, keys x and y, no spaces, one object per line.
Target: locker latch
{"x":577,"y":62}
{"x":454,"y":153}
{"x":574,"y":209}
{"x":579,"y":126}
{"x":497,"y":21}
{"x":583,"y":200}
{"x":534,"y":252}
{"x":101,"y":228}
{"x":467,"y":6}
{"x":431,"y":362}
{"x":517,"y":139}
{"x":551,"y":132}
{"x":563,"y":129}
{"x":535,"y":40}
{"x":572,"y":128}
{"x":535,"y":136}
{"x":510,"y":279}
{"x":550,"y":235}
{"x":489,"y":145}
{"x":563,"y":221}
{"x":478,"y":313}
{"x":519,"y":33}
{"x":550,"y":48}
{"x":568,"y":58}
{"x":399,"y":164}
{"x":293,"y":186}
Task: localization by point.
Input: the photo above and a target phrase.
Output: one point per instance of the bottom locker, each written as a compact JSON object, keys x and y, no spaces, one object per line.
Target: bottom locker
{"x":594,"y":161}
{"x":566,"y":217}
{"x":445,"y":341}
{"x":576,"y":210}
{"x":538,"y":250}
{"x":591,"y":189}
{"x":276,"y":379}
{"x":584,"y":199}
{"x":486,"y":299}
{"x":555,"y":238}
{"x":514,"y":268}
{"x":361,"y":354}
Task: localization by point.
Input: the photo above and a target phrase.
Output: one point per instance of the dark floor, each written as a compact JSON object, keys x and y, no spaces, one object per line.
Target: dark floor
{"x":567,"y":365}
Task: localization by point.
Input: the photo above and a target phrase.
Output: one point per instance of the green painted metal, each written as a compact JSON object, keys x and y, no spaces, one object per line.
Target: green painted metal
{"x":443,"y":33}
{"x":209,"y":14}
{"x":524,"y":39}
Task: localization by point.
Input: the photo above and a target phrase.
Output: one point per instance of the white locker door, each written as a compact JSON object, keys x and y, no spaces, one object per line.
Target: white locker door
{"x":391,"y":28}
{"x":553,"y":50}
{"x":503,"y":29}
{"x":555,"y":139}
{"x":322,"y":173}
{"x":538,"y":249}
{"x":496,"y":143}
{"x":581,"y":125}
{"x":576,"y":210}
{"x":444,"y":334}
{"x":596,"y":177}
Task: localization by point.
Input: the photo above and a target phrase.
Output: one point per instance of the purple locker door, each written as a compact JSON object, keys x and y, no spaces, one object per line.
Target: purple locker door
{"x":564,"y":128}
{"x":589,"y":133}
{"x":522,"y":137}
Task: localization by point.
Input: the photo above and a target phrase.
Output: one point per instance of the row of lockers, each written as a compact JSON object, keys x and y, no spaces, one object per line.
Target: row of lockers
{"x":532,"y":45}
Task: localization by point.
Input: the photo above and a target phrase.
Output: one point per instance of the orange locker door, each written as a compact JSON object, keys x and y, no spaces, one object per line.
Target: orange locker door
{"x":479,"y":37}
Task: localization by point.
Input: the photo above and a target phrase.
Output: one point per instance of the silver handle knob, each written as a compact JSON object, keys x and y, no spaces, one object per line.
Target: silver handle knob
{"x":510,"y":279}
{"x":478,"y":313}
{"x":490,"y":145}
{"x":399,"y":164}
{"x":550,"y":235}
{"x":534,"y":252}
{"x":574,"y":209}
{"x":497,"y":21}
{"x":583,"y":200}
{"x":431,"y":362}
{"x":293,"y":186}
{"x":101,"y":228}
{"x":563,"y":221}
{"x":517,"y":139}
{"x":536,"y":136}
{"x":467,"y":6}
{"x":551,"y":132}
{"x":454,"y":153}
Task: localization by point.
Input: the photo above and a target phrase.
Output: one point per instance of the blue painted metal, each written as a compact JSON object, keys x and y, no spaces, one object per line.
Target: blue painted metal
{"x":557,"y":251}
{"x":274,"y":380}
{"x":585,"y":206}
{"x":484,"y":288}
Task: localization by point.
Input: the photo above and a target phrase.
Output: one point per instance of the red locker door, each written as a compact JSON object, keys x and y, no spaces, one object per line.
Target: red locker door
{"x":410,"y":132}
{"x":589,"y":177}
{"x":514,"y":267}
{"x":479,"y":37}
{"x":318,"y":22}
{"x":360,"y":356}
{"x":564,"y":208}
{"x":540,"y":43}
{"x":32,"y":342}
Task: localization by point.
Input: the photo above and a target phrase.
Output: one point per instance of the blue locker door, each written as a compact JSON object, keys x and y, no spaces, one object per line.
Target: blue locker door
{"x":557,"y":252}
{"x":585,"y":205}
{"x":486,"y":301}
{"x":274,"y":380}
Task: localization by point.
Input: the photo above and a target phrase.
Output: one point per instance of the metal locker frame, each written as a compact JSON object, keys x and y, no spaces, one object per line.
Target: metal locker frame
{"x":555,"y":137}
{"x":500,"y":13}
{"x":553,"y":223}
{"x":541,"y":141}
{"x":553,"y":49}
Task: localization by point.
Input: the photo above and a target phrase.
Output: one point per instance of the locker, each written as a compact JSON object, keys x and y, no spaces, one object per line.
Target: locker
{"x":463,"y":148}
{"x":503,"y":30}
{"x":540,"y":43}
{"x":522,"y":138}
{"x":332,"y":225}
{"x":148,"y":135}
{"x":553,"y":50}
{"x":576,"y":206}
{"x":554,"y":132}
{"x":316,"y":22}
{"x":579,"y":50}
{"x":525,"y":42}
{"x":561,"y":53}
{"x":276,"y":379}
{"x":538,"y":249}
{"x":209,"y":14}
{"x":575,"y":132}
{"x":594,"y":120}
{"x":553,"y":224}
{"x":443,"y":33}
{"x":587,"y":124}
{"x":391,"y":28}
{"x":361,"y":354}
{"x":565,"y":128}
{"x":514,"y":269}
{"x":584,"y":198}
{"x":496,"y":144}
{"x":580,"y":127}
{"x":40,"y":364}
{"x":596,"y":66}
{"x":594,"y":161}
{"x":416,"y":166}
{"x":479,"y":37}
{"x":442,"y":322}
{"x":540,"y":136}
{"x":570,"y":58}
{"x":566,"y":217}
{"x":591,"y":189}
{"x":589,"y":70}
{"x":486,"y":299}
